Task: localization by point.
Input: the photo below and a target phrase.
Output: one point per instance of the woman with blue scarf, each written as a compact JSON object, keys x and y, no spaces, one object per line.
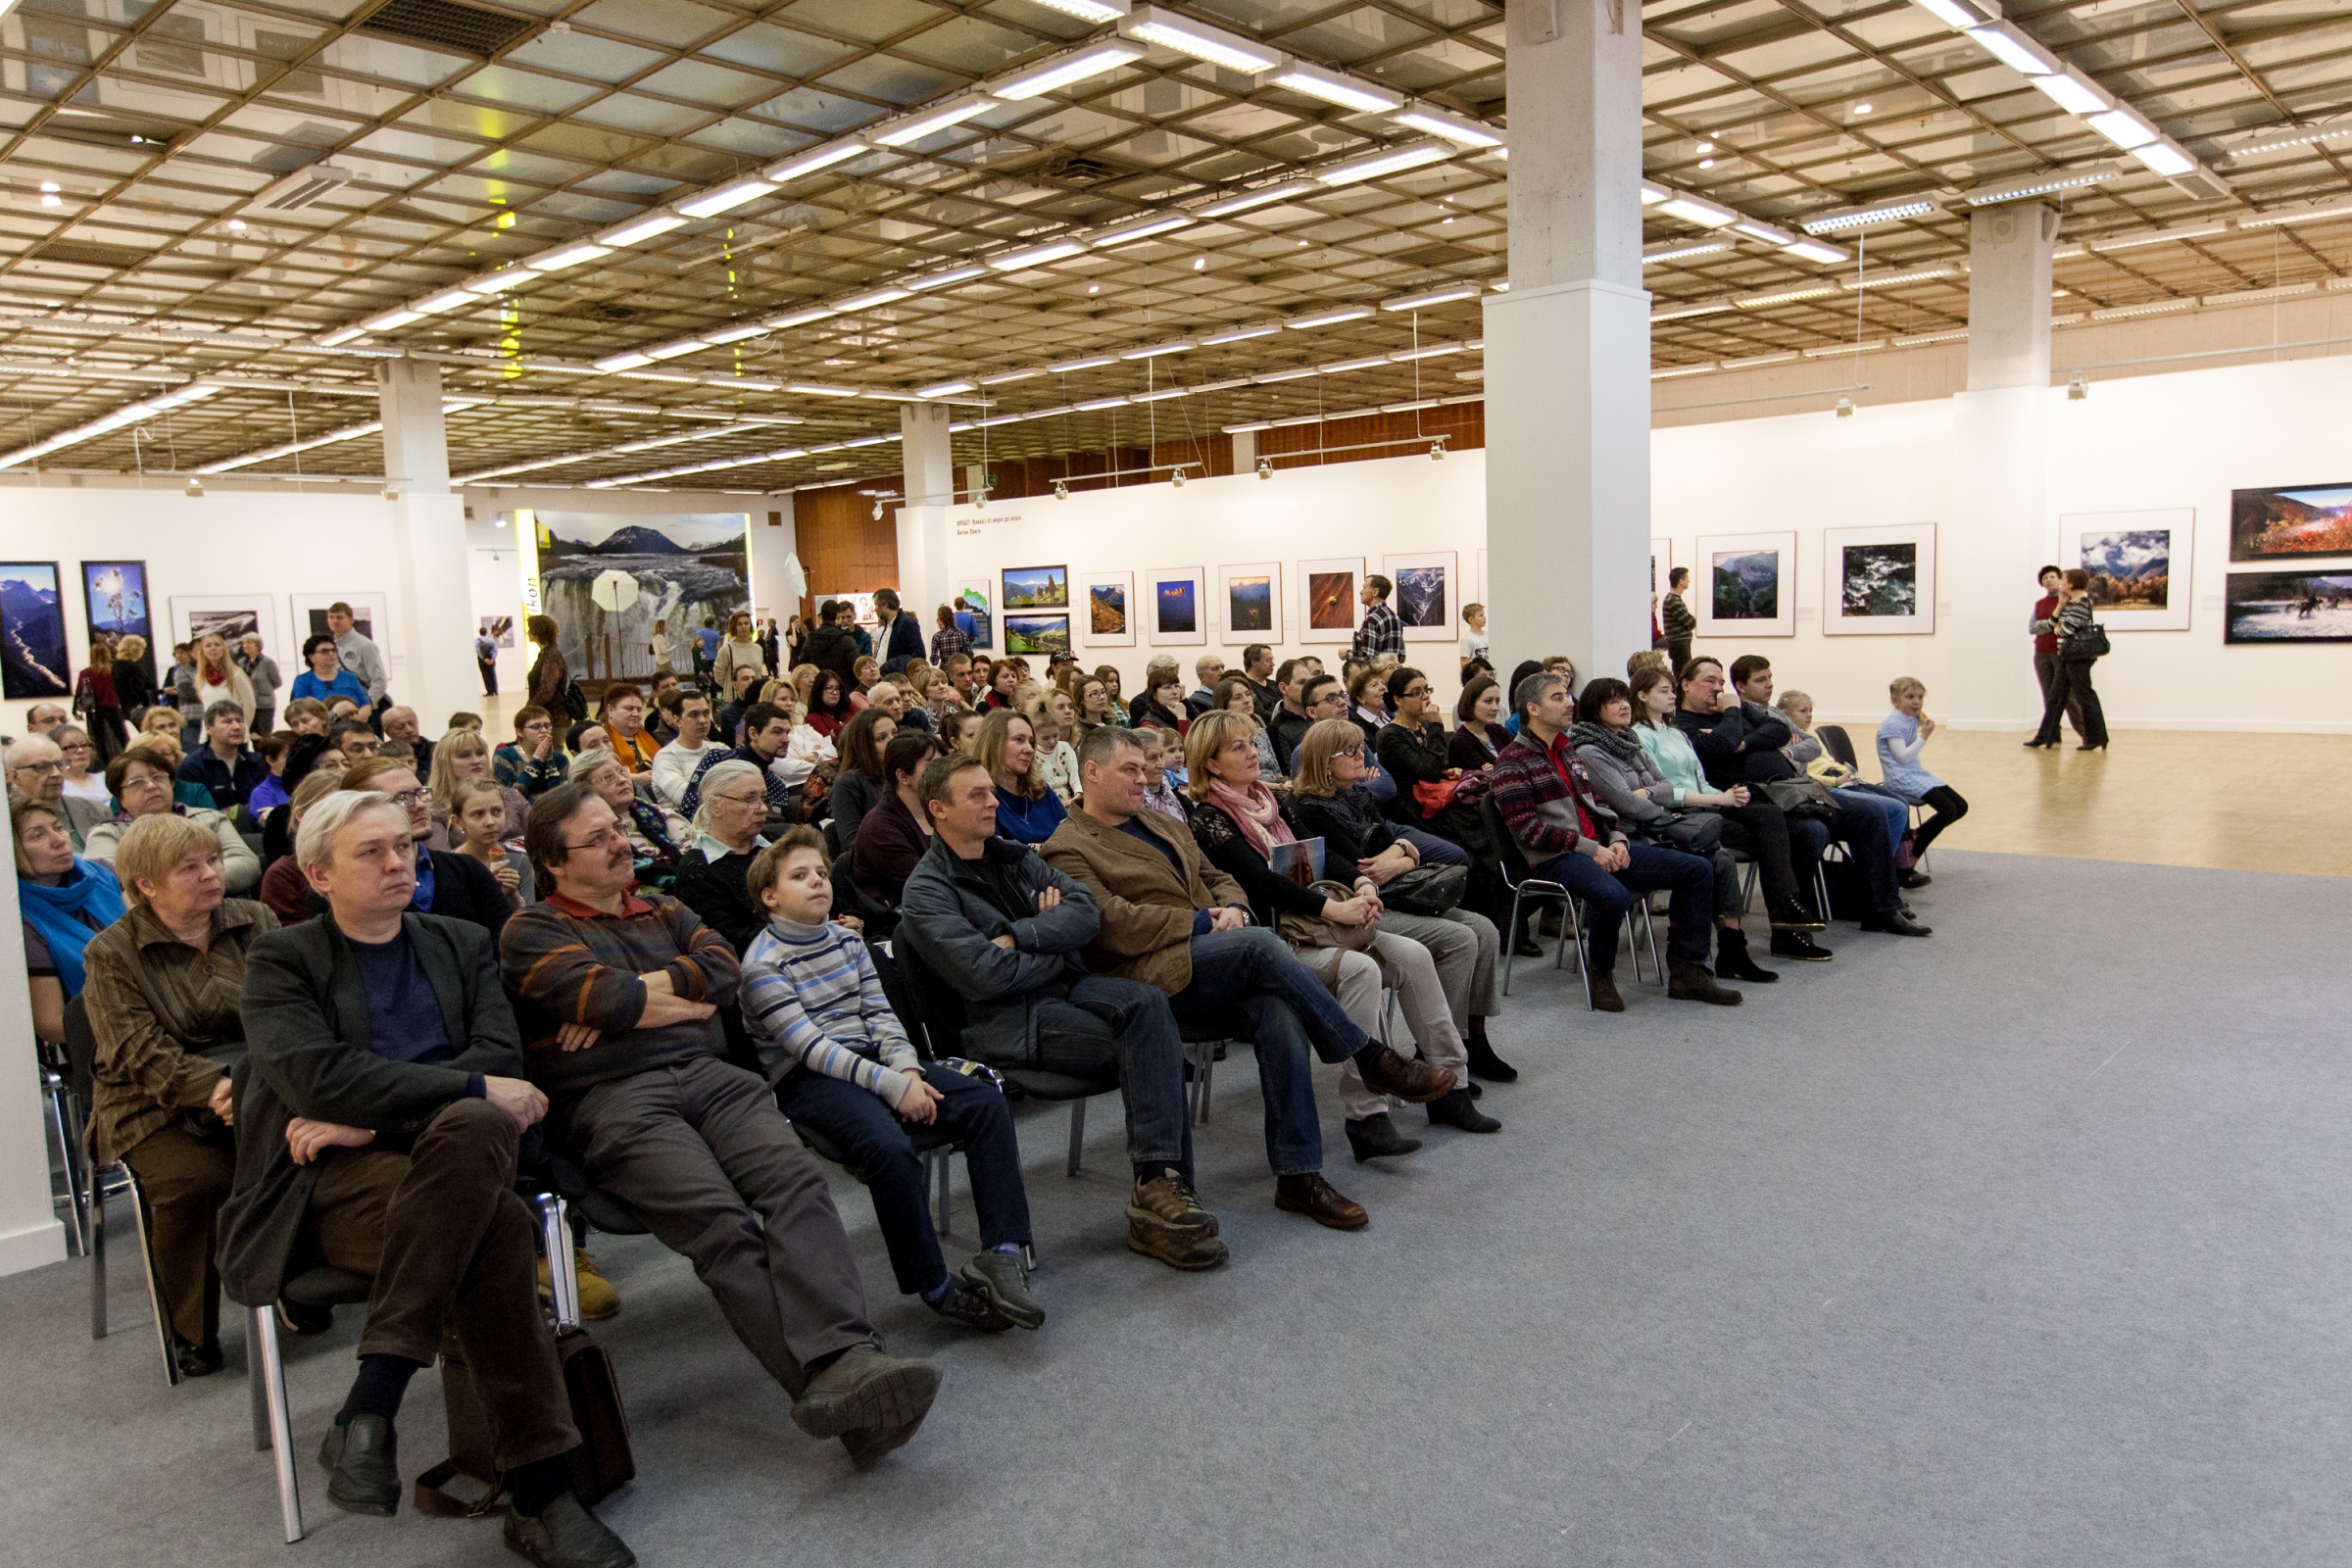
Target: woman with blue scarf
{"x":66,"y":901}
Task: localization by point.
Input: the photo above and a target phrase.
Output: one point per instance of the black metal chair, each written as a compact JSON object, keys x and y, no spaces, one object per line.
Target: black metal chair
{"x":1837,"y":743}
{"x":880,"y":920}
{"x":1524,"y":886}
{"x":94,"y":1184}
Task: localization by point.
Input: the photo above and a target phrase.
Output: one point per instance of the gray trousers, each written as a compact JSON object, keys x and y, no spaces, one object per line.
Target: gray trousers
{"x":700,"y":1151}
{"x":1468,"y":951}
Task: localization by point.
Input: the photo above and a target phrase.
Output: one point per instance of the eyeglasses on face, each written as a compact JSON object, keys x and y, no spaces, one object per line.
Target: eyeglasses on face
{"x":40,"y":767}
{"x":599,"y":839}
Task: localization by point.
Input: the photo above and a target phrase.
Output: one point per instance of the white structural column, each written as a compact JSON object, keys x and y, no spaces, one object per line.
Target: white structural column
{"x":1567,"y":380}
{"x":2001,"y":526}
{"x":429,"y":651}
{"x":928,"y":483}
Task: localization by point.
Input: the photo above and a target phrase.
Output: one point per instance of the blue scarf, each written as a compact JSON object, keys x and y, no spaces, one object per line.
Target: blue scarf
{"x":58,"y":914}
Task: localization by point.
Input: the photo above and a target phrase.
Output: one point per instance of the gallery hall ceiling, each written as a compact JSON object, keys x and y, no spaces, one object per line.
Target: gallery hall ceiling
{"x":717,"y":244}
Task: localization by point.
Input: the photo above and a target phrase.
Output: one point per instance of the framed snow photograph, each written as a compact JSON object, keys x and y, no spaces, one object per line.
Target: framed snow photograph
{"x":1428,"y":595}
{"x":1878,"y":581}
{"x":2138,"y":563}
{"x":1744,"y":584}
{"x":1327,"y":591}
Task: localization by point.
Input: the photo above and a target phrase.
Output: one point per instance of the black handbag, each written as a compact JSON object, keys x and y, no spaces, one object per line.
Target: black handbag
{"x":2085,"y":643}
{"x":1801,"y":798}
{"x":1691,"y":832}
{"x":1427,"y":889}
{"x":601,"y":1464}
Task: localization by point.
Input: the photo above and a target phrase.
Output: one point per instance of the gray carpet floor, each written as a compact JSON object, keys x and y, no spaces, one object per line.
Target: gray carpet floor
{"x":2026,"y":1244}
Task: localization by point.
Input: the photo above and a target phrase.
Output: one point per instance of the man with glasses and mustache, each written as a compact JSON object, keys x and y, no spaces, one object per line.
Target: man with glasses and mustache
{"x":617,"y":993}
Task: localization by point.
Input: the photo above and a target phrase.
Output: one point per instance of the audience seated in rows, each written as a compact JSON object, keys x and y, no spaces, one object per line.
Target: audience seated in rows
{"x":615,"y":992}
{"x":141,"y":778}
{"x":228,"y":768}
{"x":896,"y":832}
{"x":710,"y":879}
{"x":36,"y":770}
{"x":1028,"y":811}
{"x":859,"y":782}
{"x":456,"y":885}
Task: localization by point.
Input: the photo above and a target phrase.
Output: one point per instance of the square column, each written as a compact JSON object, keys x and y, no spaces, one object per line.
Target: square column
{"x":429,"y":652}
{"x":1568,"y":348}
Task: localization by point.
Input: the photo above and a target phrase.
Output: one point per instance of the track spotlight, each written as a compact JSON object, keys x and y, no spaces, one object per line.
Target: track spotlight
{"x":1437,"y":451}
{"x":2076,"y":390}
{"x":1265,"y":469}
{"x":391,"y":494}
{"x":1178,"y":479}
{"x":1846,"y":407}
{"x":877,"y":511}
{"x":1062,"y":491}
{"x":195,"y":487}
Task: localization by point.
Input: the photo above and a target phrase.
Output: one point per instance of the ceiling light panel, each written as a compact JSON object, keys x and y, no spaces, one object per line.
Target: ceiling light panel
{"x":1088,"y":9}
{"x":1088,"y":63}
{"x":1173,"y":31}
{"x":1333,"y":87}
{"x":1391,"y":161}
{"x":915,"y":127}
{"x":1459,"y":130}
{"x":1263,"y":196}
{"x":726,"y":198}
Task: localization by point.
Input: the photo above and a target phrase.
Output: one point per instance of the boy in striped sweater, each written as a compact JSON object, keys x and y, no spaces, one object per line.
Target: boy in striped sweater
{"x":843,"y":1066}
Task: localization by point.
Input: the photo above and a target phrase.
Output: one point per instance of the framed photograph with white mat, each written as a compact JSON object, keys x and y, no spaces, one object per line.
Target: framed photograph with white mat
{"x":1878,"y":581}
{"x":1109,"y":600}
{"x":1327,"y":591}
{"x":1251,"y":599}
{"x":371,"y":617}
{"x":1176,"y":598}
{"x":2138,"y":563}
{"x":233,"y":617}
{"x":1744,"y":584}
{"x":1427,"y":594}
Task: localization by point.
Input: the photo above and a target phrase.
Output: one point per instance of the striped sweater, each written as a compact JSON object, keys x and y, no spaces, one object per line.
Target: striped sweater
{"x":811,"y":999}
{"x":564,"y":962}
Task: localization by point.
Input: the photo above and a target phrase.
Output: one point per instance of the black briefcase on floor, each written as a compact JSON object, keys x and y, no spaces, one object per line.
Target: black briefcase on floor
{"x":1849,"y":890}
{"x":600,"y":1465}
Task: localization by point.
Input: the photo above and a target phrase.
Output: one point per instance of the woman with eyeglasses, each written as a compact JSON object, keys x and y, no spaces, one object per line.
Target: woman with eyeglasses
{"x":1234,"y":695}
{"x":81,"y":751}
{"x":142,"y":779}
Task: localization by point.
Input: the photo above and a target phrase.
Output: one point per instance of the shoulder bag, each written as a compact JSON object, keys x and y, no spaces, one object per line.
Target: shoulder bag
{"x":1313,"y":931}
{"x":1801,"y":797}
{"x":2085,"y":643}
{"x":1692,"y":832}
{"x":1427,"y":889}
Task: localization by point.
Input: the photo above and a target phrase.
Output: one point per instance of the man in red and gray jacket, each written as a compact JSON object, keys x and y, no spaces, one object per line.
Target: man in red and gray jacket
{"x":1569,"y":837}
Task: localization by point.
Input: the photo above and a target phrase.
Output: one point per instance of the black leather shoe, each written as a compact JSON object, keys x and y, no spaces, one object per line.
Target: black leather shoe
{"x":567,"y":1535}
{"x":1527,"y":947}
{"x":1799,"y":947}
{"x":1373,"y":1136}
{"x":1912,"y":879}
{"x":363,"y":1454}
{"x":1897,"y":924}
{"x":1455,"y":1110}
{"x":197,"y":1360}
{"x":1484,"y":1063}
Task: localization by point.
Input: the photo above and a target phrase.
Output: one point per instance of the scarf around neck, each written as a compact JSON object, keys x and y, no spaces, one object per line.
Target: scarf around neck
{"x":1621,"y":743}
{"x":1256,"y":813}
{"x":62,"y":914}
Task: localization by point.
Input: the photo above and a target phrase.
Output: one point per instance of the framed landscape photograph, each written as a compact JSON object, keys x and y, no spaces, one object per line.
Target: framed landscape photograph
{"x":1179,"y":609}
{"x":1878,"y":581}
{"x":1036,"y":588}
{"x":1253,"y":600}
{"x":1033,"y":634}
{"x":1744,"y":584}
{"x":1109,"y":597}
{"x":1327,"y":591}
{"x":232,"y":616}
{"x":2290,"y":607}
{"x":1427,"y":595}
{"x":974,"y":614}
{"x":2309,"y":519}
{"x":115,"y":594}
{"x":371,"y":617}
{"x":2138,"y":563}
{"x":32,"y":632}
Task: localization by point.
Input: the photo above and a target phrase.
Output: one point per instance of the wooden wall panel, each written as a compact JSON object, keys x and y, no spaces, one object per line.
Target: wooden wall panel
{"x":1465,"y":423}
{"x":843,"y":546}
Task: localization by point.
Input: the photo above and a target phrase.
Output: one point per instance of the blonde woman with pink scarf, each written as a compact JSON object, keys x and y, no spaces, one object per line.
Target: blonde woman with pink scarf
{"x":1238,"y":821}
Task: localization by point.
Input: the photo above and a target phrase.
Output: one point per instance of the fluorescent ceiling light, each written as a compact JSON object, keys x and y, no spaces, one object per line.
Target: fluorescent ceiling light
{"x":809,"y":162}
{"x":1142,"y":230}
{"x":1093,"y":61}
{"x":2123,"y":127}
{"x":1169,"y":29}
{"x":1922,"y":274}
{"x":2281,"y":141}
{"x":1009,"y":376}
{"x":2305,"y":214}
{"x":1458,"y":128}
{"x":1179,"y":346}
{"x":1094,"y":363}
{"x":641,"y":229}
{"x":1300,"y":324}
{"x":1959,"y":16}
{"x":397,"y":317}
{"x":1162,"y":397}
{"x":2165,"y":157}
{"x":497,"y":282}
{"x":1849,"y":219}
{"x":816,"y":312}
{"x":1697,"y":210}
{"x":569,"y":256}
{"x":1236,"y":334}
{"x":1435,"y":351}
{"x":1443,"y":296}
{"x":449,"y":299}
{"x":1100,"y":403}
{"x":915,"y":127}
{"x":945,"y":389}
{"x":2073,"y":92}
{"x":726,"y":198}
{"x":1786,"y":296}
{"x":956,"y":274}
{"x":1813,"y":250}
{"x":1022,"y":261}
{"x":2012,"y":47}
{"x":341,"y":335}
{"x":1088,"y":9}
{"x":2126,"y":242}
{"x":817,"y":389}
{"x":1651,"y":194}
{"x":1684,"y":312}
{"x":2029,"y":186}
{"x":1285,"y":376}
{"x":1389,"y":161}
{"x":869,"y":299}
{"x":623,"y":361}
{"x":1260,"y":197}
{"x":1342,"y":367}
{"x":671,"y":350}
{"x":1763,"y":231}
{"x":1676,"y":252}
{"x":1333,"y":88}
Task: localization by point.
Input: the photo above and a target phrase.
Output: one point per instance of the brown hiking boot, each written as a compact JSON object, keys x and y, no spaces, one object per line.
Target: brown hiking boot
{"x":1408,"y":1078}
{"x":1190,"y":1250}
{"x":1691,"y":982}
{"x":1310,"y":1195}
{"x":1167,"y":1201}
{"x":1604,"y":994}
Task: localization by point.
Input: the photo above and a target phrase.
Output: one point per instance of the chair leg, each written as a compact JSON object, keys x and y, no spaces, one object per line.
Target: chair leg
{"x":562,"y":1264}
{"x":257,"y":1386}
{"x":1077,"y":1132}
{"x":1650,"y":927}
{"x":155,"y":1292}
{"x":77,"y":1235}
{"x":1571,"y":930}
{"x":1748,"y":887}
{"x":1510,"y":943}
{"x":941,"y":1161}
{"x":281,"y":1424}
{"x":1202,"y":1059}
{"x":97,"y":1254}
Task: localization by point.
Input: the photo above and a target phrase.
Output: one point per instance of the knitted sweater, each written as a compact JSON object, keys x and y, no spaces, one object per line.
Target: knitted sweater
{"x":812,"y":999}
{"x":564,"y":962}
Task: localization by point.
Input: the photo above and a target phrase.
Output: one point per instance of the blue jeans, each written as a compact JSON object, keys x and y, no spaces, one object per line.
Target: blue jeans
{"x":1864,"y":828}
{"x":881,"y":1151}
{"x":1888,"y":804}
{"x":1434,"y":851}
{"x":1100,"y":1020}
{"x":1250,"y":978}
{"x":1610,"y":894}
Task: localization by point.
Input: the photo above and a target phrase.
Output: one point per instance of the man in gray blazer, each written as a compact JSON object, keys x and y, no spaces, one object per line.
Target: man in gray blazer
{"x":379,"y":1112}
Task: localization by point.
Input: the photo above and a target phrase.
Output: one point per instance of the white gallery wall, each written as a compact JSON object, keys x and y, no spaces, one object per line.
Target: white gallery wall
{"x":2151,"y":443}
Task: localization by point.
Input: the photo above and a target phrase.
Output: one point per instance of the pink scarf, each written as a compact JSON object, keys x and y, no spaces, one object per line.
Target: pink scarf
{"x":1256,"y":813}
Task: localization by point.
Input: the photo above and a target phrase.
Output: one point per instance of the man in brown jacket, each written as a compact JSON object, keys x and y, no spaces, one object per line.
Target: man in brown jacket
{"x":1171,"y":918}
